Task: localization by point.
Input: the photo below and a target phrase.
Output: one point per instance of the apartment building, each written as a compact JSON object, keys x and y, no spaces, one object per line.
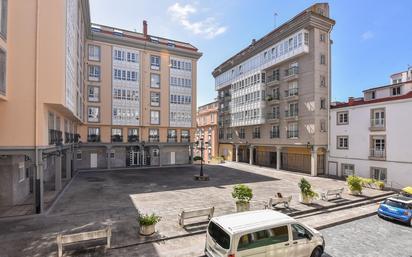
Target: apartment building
{"x":207,"y":131}
{"x":274,"y":96}
{"x":75,"y":95}
{"x":368,"y":134}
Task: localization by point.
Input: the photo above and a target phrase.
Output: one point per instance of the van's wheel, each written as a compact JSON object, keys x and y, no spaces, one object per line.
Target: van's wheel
{"x":317,"y":252}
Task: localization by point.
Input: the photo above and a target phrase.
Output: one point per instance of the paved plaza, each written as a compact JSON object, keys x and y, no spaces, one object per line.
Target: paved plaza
{"x":96,"y":199}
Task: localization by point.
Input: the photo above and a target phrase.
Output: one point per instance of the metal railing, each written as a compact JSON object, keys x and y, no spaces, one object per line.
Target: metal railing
{"x":272,"y":78}
{"x":378,"y":123}
{"x":377,"y":153}
{"x":292,"y":71}
{"x":154,"y":139}
{"x":117,"y":138}
{"x":132,"y":138}
{"x":185,"y":139}
{"x":255,"y":135}
{"x":93,"y":138}
{"x":291,"y":92}
{"x":293,"y":133}
{"x":291,"y":113}
{"x":273,"y":115}
{"x":274,"y":134}
{"x":55,"y":137}
{"x":272,"y":97}
{"x":171,"y":139}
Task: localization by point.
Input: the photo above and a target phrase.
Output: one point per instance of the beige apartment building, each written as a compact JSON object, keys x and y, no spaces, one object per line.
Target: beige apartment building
{"x":274,"y":96}
{"x":207,"y":131}
{"x":75,"y":95}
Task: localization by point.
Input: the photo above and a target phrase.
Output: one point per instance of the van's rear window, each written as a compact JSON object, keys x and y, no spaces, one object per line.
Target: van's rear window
{"x":219,"y":235}
{"x":396,"y":204}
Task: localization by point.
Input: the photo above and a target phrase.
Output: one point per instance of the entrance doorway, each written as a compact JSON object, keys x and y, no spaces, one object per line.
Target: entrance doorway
{"x":93,"y":160}
{"x":134,"y":158}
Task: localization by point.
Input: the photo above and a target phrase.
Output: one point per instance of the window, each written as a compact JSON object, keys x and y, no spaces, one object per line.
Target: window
{"x":293,"y":110}
{"x":155,"y":117}
{"x":94,"y":53}
{"x":153,"y":135}
{"x":292,"y":89}
{"x":22,"y":172}
{"x":219,"y":235}
{"x":373,"y":95}
{"x":342,"y":142}
{"x":322,"y":103}
{"x":155,"y":62}
{"x":93,"y":93}
{"x":395,"y":91}
{"x":117,"y":135}
{"x":378,"y":146}
{"x":242,"y":133}
{"x":348,"y":169}
{"x":378,"y":118}
{"x":256,"y":132}
{"x":274,"y":132}
{"x":94,"y":73}
{"x":93,"y":135}
{"x":263,"y":238}
{"x":342,"y":118}
{"x":93,"y":114}
{"x":171,"y":135}
{"x":322,"y":59}
{"x":154,"y":80}
{"x":306,"y":38}
{"x":378,"y":173}
{"x":323,"y":126}
{"x":3,"y":19}
{"x":2,"y":72}
{"x":293,"y":130}
{"x":78,"y":155}
{"x":221,"y":134}
{"x":133,"y":135}
{"x":154,"y":99}
{"x":185,"y":136}
{"x":322,"y":81}
{"x":299,"y":232}
{"x":322,"y":37}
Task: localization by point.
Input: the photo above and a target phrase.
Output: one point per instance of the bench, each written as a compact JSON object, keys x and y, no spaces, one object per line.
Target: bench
{"x":194,"y":214}
{"x":337,"y":193}
{"x":278,"y":200}
{"x":81,"y":237}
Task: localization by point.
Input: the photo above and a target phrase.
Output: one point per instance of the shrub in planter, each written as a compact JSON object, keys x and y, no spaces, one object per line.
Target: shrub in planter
{"x":197,"y":158}
{"x":306,"y":192}
{"x":147,"y":223}
{"x":380,"y":184}
{"x":354,"y":184}
{"x":243,"y":194}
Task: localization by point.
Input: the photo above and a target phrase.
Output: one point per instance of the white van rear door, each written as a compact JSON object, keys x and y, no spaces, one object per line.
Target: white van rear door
{"x":300,"y":246}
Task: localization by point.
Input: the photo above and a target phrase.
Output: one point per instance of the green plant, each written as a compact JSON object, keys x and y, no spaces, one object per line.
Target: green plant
{"x":269,"y":98}
{"x":306,"y":188}
{"x":148,"y":219}
{"x":380,"y":184}
{"x":197,"y":158}
{"x":242,"y":193}
{"x":354,"y":183}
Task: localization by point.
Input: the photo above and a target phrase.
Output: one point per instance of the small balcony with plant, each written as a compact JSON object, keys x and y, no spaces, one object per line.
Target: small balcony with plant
{"x":93,"y":138}
{"x":272,"y":99}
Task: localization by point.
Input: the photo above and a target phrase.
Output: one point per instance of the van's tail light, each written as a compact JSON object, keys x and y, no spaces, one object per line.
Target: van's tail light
{"x":406,"y":213}
{"x":231,"y":255}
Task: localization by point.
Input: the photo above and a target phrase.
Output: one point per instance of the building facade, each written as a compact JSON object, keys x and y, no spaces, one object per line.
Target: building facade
{"x":91,"y":96}
{"x":367,"y":134}
{"x":207,"y":131}
{"x":274,"y":96}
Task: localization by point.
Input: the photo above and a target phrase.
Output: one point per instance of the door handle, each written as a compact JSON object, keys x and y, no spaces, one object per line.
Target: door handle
{"x":286,"y":244}
{"x":295,"y":242}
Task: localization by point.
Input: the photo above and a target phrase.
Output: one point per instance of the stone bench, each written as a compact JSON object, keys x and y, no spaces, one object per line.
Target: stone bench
{"x":82,"y":237}
{"x":195,"y":214}
{"x":278,"y":200}
{"x":337,"y":193}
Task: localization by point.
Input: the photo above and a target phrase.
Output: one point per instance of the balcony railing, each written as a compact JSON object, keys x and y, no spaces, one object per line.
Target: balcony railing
{"x":378,"y":123}
{"x":117,"y":138}
{"x":273,"y":115}
{"x":171,"y":139}
{"x":291,"y":113}
{"x":55,"y":137}
{"x":255,"y":135}
{"x":132,"y":138}
{"x":71,"y":138}
{"x":293,"y":133}
{"x":292,"y":71}
{"x":93,"y":138}
{"x":274,"y":134}
{"x":377,"y":153}
{"x":272,"y":78}
{"x":185,"y":139}
{"x":154,"y":139}
{"x":291,"y":92}
{"x":274,"y":97}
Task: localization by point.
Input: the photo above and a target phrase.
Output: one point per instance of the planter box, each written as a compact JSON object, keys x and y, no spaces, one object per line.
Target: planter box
{"x":305,"y":199}
{"x":147,"y":230}
{"x":240,"y":207}
{"x":355,"y":192}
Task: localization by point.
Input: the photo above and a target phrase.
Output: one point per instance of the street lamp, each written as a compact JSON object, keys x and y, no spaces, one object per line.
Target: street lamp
{"x":201,"y":176}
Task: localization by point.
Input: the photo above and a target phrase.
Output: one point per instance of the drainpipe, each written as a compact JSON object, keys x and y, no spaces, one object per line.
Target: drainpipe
{"x":330,"y":98}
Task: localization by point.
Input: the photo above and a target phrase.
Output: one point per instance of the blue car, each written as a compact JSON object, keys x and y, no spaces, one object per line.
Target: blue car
{"x":397,"y":208}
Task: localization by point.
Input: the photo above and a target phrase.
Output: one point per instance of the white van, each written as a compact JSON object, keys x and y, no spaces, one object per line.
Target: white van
{"x":261,"y":233}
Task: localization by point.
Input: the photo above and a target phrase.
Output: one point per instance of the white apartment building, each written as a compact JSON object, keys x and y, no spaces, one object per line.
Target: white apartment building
{"x":369,"y":136}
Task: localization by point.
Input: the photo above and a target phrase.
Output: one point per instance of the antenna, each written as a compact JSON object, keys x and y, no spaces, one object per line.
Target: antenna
{"x":275,"y":14}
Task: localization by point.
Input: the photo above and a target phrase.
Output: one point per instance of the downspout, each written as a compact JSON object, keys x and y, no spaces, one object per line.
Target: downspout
{"x":36,"y":96}
{"x":330,"y":100}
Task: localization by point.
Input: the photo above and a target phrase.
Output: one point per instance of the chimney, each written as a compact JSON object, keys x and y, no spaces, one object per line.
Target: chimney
{"x":145,"y":28}
{"x":351,"y":100}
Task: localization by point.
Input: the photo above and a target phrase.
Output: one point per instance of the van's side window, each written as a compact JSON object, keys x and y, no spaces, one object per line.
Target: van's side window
{"x":263,"y":238}
{"x":299,"y":232}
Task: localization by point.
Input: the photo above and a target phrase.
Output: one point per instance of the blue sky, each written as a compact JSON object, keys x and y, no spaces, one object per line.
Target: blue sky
{"x":372,"y":39}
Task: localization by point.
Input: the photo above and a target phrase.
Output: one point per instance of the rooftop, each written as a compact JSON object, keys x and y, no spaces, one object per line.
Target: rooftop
{"x":243,"y":221}
{"x":361,"y":101}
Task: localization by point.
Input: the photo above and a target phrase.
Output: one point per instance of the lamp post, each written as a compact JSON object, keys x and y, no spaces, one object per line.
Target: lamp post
{"x":201,"y":176}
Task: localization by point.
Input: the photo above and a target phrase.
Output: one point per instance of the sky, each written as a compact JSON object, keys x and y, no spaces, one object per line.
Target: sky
{"x":372,"y":39}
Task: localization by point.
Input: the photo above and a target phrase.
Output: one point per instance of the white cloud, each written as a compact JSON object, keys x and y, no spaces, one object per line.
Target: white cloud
{"x":207,"y":27}
{"x":367,"y":35}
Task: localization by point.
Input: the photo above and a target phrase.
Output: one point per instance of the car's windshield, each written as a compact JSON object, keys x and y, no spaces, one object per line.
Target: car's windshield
{"x":396,"y":204}
{"x":219,"y":235}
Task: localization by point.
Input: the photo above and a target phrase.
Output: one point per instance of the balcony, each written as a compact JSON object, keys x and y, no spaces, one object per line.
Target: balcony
{"x":274,"y":134}
{"x":291,"y":114}
{"x":377,"y":154}
{"x":76,"y":138}
{"x":185,"y":139}
{"x":272,"y":99}
{"x":273,"y":116}
{"x":154,"y":139}
{"x":55,"y":137}
{"x":293,"y":134}
{"x":171,"y":139}
{"x":272,"y":80}
{"x":93,"y":138}
{"x":377,"y":124}
{"x":71,"y":138}
{"x":292,"y":92}
{"x":255,"y":135}
{"x":133,"y":138}
{"x":292,"y":73}
{"x":117,"y":138}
